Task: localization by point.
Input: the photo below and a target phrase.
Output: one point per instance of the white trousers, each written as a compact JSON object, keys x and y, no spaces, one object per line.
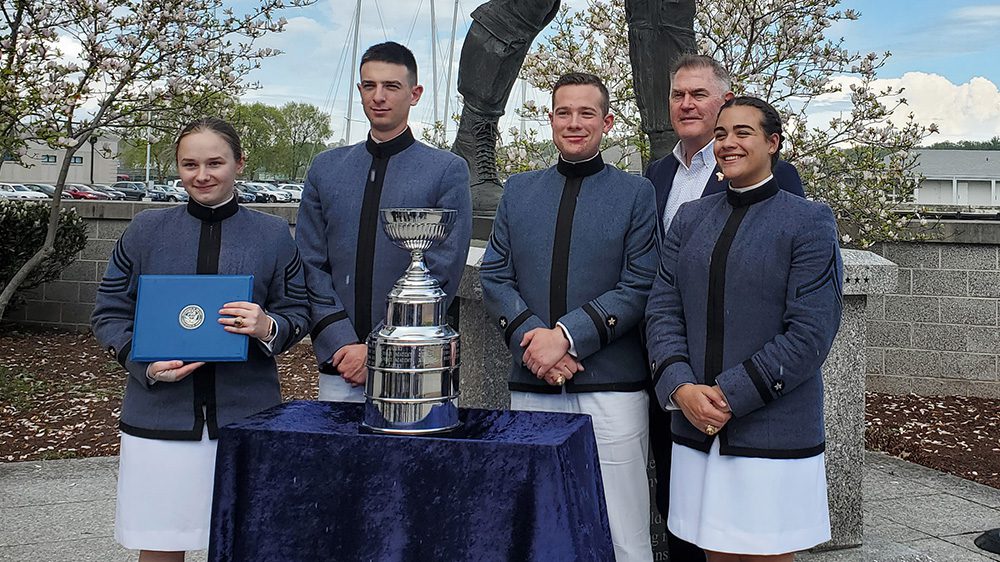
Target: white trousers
{"x":621,"y":428}
{"x":333,"y":388}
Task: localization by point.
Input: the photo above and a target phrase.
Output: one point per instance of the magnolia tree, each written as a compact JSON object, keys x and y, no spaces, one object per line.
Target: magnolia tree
{"x":860,"y":163}
{"x":74,"y":67}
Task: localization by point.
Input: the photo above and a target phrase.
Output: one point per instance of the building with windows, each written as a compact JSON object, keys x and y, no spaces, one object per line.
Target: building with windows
{"x":42,"y":164}
{"x":967,"y":178}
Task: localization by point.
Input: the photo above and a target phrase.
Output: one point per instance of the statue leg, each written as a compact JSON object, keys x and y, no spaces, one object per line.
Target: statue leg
{"x":494,"y":49}
{"x":659,"y":32}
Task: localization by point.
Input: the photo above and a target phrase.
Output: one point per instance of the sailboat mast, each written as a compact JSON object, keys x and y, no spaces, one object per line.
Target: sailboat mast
{"x":354,"y":57}
{"x":434,"y":59}
{"x":451,"y":63}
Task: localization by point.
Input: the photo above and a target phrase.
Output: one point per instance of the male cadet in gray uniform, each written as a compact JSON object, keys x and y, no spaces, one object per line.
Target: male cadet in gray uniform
{"x":699,"y":87}
{"x":349,"y":262}
{"x":565,"y":277}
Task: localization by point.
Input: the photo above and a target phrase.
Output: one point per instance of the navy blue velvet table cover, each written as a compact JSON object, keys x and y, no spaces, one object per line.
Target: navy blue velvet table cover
{"x":301,"y":481}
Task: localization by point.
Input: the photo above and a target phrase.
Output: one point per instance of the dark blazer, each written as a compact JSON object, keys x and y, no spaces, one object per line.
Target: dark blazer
{"x":661,"y":173}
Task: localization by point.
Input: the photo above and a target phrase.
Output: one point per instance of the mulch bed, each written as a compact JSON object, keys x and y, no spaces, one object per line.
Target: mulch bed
{"x":60,"y":397}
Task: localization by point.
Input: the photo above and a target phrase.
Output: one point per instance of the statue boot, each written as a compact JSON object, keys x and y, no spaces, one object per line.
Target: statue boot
{"x":476,"y":141}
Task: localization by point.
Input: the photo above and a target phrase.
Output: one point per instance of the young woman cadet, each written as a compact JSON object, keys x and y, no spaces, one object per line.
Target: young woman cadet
{"x":741,"y":316}
{"x":172,"y":411}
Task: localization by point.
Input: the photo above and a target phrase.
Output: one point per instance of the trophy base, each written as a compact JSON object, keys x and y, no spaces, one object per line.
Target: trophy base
{"x":410,"y":417}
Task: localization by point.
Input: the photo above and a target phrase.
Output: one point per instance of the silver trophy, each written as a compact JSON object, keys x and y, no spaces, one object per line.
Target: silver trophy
{"x":413,"y":358}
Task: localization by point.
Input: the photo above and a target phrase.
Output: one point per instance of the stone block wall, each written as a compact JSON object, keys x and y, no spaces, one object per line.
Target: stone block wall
{"x":68,"y":301}
{"x":938,"y":332}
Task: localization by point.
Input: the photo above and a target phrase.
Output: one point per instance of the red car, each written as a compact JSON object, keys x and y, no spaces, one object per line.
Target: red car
{"x":80,"y":191}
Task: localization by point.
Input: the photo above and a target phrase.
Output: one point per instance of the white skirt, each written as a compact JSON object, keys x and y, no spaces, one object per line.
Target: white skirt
{"x":744,"y":505}
{"x":165,"y":493}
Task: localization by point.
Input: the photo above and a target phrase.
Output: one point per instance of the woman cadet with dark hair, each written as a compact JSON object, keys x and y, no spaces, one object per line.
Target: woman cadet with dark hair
{"x":742,"y":314}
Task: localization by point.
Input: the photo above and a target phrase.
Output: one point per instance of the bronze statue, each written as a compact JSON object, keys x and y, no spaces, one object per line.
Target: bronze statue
{"x":498,"y":40}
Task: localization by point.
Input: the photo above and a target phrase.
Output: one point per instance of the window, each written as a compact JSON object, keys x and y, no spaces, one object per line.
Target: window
{"x":48,"y":159}
{"x":76,"y":160}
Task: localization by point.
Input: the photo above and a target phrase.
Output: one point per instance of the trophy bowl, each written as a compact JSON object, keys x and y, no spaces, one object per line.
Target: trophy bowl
{"x":417,"y":229}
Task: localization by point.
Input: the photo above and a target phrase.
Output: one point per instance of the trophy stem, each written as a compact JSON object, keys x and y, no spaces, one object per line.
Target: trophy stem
{"x":418,"y":269}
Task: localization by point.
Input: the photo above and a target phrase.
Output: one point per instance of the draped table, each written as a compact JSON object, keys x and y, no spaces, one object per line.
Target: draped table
{"x":301,"y":481}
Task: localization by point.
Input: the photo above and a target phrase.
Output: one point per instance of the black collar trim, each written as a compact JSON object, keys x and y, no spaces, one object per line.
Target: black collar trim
{"x":207,"y":214}
{"x":390,"y":147}
{"x":580,"y":169}
{"x":756,"y":195}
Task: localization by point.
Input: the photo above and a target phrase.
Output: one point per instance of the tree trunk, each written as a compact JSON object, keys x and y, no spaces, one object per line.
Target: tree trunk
{"x":50,"y":234}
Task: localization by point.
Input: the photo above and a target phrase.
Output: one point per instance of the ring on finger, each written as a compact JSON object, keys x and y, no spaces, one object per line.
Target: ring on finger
{"x":238,"y":322}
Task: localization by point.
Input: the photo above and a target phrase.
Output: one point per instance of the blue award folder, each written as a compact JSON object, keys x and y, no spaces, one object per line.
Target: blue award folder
{"x":177,"y":317}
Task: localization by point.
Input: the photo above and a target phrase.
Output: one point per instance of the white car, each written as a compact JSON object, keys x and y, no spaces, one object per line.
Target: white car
{"x":271,"y":193}
{"x":293,"y":189}
{"x":18,"y":191}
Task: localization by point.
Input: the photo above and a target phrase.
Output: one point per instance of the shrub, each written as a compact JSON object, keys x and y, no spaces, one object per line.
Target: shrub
{"x":22,"y":228}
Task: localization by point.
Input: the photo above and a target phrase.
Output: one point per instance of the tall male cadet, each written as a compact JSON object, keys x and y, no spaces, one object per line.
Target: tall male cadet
{"x":699,"y":87}
{"x":565,"y":276}
{"x":350,"y":264}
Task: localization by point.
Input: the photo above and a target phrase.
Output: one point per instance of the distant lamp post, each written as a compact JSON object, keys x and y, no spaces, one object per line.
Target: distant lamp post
{"x":93,"y":141}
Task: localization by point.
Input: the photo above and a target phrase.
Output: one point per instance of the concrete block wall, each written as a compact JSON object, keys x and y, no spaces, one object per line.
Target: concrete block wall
{"x":938,"y":333}
{"x":69,"y":301}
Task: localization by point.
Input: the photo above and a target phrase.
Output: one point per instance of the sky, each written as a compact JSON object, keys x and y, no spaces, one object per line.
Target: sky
{"x":944,"y":53}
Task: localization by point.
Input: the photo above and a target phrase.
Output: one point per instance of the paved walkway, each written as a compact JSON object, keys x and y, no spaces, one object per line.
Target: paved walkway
{"x":64,"y":511}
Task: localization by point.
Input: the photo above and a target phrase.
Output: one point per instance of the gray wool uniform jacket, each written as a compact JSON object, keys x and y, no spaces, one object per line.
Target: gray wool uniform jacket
{"x":748,"y":296}
{"x":192,"y":239}
{"x":574,"y":244}
{"x":350,"y":264}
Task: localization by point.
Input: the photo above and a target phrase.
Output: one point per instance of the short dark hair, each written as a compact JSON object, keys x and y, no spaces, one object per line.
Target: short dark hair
{"x":704,"y":61}
{"x":393,"y":53}
{"x":217,"y":126}
{"x":770,"y":120}
{"x":584,"y":79}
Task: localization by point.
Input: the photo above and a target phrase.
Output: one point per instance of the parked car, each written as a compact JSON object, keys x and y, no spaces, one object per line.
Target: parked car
{"x":294,"y":189}
{"x":29,"y":193}
{"x":18,"y":191}
{"x":160,"y":192}
{"x":244,"y":196}
{"x":133,"y":190}
{"x":114,"y":194}
{"x":80,"y":191}
{"x":258,"y":195}
{"x":46,"y":188}
{"x":270,"y":193}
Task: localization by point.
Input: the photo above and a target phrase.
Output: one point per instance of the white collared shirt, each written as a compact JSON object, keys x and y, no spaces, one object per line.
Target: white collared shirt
{"x":689,"y":181}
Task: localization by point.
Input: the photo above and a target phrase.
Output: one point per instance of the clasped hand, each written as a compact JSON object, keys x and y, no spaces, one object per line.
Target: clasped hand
{"x":703,"y":406}
{"x":350,"y":363}
{"x":546,"y":354}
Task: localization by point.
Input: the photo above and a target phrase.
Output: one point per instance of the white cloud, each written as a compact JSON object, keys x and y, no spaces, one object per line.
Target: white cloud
{"x":968,"y":111}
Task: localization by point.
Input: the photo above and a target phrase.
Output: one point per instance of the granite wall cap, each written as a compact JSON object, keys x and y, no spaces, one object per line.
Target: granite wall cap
{"x":469,"y":287}
{"x":867,"y":273}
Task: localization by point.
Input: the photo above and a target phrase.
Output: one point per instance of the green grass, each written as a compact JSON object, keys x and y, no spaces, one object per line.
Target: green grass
{"x":19,"y":389}
{"x":56,"y":455}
